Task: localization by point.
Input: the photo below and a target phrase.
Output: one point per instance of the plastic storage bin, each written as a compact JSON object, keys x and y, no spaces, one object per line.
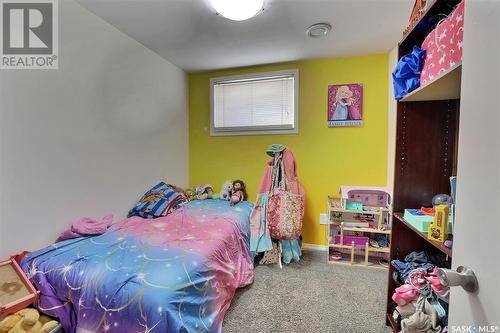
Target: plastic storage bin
{"x":359,"y":241}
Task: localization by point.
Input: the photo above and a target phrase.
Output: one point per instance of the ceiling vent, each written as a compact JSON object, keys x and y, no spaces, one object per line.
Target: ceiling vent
{"x":318,"y":30}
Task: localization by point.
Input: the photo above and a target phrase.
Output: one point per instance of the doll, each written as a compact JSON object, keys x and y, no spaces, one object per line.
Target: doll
{"x":238,"y":193}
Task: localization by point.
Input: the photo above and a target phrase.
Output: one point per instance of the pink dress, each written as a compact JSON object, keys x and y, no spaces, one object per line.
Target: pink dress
{"x":238,"y":194}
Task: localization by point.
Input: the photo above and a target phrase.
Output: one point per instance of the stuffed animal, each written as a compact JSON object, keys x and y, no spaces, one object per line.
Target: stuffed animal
{"x":238,"y":193}
{"x":9,"y":322}
{"x":225,"y":193}
{"x":204,"y":191}
{"x":27,"y":321}
{"x":190,"y":193}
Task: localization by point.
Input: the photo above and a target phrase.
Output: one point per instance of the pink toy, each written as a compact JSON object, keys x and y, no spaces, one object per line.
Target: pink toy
{"x":404,"y":294}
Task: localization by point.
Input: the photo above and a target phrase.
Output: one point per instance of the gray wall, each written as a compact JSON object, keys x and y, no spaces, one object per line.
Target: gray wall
{"x":89,"y":138}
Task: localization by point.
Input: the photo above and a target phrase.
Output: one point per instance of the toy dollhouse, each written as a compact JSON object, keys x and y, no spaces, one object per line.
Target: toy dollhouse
{"x":358,"y":231}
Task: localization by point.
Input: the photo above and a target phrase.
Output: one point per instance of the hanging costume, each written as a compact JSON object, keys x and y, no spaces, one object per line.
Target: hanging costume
{"x":280,"y":170}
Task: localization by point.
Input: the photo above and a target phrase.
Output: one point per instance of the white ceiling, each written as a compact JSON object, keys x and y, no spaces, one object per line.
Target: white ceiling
{"x":189,"y":34}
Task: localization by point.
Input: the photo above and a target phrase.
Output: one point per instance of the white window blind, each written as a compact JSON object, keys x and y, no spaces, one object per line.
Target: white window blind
{"x":264,"y":103}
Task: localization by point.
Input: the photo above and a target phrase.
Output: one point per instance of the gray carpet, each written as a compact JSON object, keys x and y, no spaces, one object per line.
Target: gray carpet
{"x":311,"y":296}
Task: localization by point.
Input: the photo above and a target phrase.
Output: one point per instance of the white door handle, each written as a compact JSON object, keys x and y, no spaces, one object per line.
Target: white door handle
{"x":463,"y":276}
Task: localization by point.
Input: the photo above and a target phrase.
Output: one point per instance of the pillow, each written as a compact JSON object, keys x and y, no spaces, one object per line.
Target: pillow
{"x":159,"y":201}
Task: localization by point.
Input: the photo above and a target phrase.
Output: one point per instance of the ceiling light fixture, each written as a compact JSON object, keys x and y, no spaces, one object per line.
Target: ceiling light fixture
{"x":238,"y":10}
{"x":318,"y":30}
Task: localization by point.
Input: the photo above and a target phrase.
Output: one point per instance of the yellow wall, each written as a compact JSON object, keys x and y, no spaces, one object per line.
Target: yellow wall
{"x":326,"y":157}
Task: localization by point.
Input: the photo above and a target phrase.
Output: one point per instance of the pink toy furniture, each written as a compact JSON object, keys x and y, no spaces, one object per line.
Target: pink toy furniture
{"x":16,"y":291}
{"x":370,"y":196}
{"x":356,"y":221}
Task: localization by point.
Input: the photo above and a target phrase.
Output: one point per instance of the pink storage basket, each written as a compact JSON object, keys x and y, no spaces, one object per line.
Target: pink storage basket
{"x":359,"y":241}
{"x":443,"y":46}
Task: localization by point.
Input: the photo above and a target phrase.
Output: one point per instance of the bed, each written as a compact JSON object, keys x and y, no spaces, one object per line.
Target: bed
{"x":177,"y":273}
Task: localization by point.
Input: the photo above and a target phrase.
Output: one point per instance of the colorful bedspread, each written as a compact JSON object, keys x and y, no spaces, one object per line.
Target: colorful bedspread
{"x":172,"y":274}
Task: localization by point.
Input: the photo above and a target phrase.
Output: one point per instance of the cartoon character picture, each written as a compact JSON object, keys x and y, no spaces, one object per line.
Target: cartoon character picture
{"x":343,"y":99}
{"x":345,"y":105}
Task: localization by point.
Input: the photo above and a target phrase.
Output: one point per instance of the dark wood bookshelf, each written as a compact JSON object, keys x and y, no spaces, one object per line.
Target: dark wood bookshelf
{"x":427,"y":126}
{"x":437,"y":245}
{"x":426,"y":151}
{"x":392,"y":323}
{"x":434,"y":13}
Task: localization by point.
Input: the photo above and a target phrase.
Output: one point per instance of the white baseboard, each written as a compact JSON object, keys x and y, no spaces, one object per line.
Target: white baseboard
{"x":314,"y":247}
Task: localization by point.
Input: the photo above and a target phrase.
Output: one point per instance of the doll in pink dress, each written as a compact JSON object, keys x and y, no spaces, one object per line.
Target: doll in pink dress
{"x":238,"y":193}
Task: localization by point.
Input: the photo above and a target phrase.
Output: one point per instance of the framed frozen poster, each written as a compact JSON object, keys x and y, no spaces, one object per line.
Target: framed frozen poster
{"x":345,"y":105}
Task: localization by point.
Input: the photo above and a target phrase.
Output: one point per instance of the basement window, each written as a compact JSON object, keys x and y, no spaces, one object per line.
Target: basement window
{"x":257,"y":104}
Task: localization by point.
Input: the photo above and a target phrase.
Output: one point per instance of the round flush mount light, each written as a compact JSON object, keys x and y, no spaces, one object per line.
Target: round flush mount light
{"x":237,"y":10}
{"x":318,"y":30}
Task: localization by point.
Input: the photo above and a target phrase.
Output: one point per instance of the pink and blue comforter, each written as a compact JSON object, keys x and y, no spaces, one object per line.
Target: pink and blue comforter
{"x":172,"y":274}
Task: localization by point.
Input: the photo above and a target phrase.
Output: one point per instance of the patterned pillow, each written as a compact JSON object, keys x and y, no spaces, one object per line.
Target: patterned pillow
{"x":159,"y":201}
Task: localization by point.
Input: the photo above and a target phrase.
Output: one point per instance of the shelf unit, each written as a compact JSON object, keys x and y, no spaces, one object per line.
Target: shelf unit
{"x":392,"y":323}
{"x":363,"y":256}
{"x":446,"y":86}
{"x":437,"y":245}
{"x":426,"y":23}
{"x":426,"y":148}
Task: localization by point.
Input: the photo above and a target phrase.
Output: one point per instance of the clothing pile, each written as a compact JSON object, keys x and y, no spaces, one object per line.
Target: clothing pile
{"x":87,"y":227}
{"x":379,"y":241}
{"x":422,"y":301}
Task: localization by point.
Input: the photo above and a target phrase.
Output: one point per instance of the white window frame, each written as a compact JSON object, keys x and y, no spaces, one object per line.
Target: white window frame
{"x":256,"y":130}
